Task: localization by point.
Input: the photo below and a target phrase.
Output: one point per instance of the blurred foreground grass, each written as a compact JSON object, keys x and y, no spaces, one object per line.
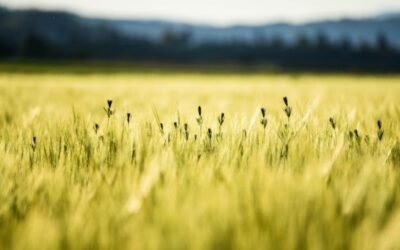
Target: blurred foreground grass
{"x":300,"y":184}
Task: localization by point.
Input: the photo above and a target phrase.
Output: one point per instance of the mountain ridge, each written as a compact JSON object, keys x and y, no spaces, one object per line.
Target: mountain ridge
{"x":358,"y":31}
{"x":370,"y":44}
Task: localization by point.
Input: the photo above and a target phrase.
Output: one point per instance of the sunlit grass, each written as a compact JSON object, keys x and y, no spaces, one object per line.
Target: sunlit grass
{"x":75,"y":174}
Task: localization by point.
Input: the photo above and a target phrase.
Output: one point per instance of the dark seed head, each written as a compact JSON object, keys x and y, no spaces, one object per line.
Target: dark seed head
{"x":264,"y":120}
{"x":288,"y":111}
{"x":332,"y":122}
{"x":379,"y":123}
{"x":128,"y":117}
{"x":356,"y":133}
{"x":263,"y":112}
{"x":175,"y":125}
{"x":96,"y":127}
{"x":285,"y":100}
{"x":380,"y":130}
{"x":200,"y":118}
{"x":209,"y":132}
{"x":162,"y":127}
{"x":33,"y":145}
{"x":221,"y":119}
{"x":380,"y":135}
{"x":186,"y":128}
{"x":109,"y":103}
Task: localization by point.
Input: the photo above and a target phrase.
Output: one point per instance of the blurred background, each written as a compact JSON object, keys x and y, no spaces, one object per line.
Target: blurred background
{"x":305,"y":35}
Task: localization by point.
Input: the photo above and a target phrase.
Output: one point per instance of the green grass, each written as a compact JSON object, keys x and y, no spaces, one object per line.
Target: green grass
{"x":300,"y":184}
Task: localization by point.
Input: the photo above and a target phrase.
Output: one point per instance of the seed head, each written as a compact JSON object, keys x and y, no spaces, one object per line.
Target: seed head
{"x":209,"y":133}
{"x":108,"y":109}
{"x":356,"y":134}
{"x":96,"y":128}
{"x":264,"y":120}
{"x":288,"y":111}
{"x":200,"y":118}
{"x":109,"y":103}
{"x":33,"y":144}
{"x":380,"y":130}
{"x":332,"y":122}
{"x":186,"y":128}
{"x":221,"y":119}
{"x":128,"y":117}
{"x":379,"y":123}
{"x":175,"y":125}
{"x":380,"y":135}
{"x":263,"y":112}
{"x":162,"y":128}
{"x":285,"y":100}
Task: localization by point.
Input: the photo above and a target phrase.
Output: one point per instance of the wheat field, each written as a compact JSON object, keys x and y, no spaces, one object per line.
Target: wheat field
{"x":316,"y":172}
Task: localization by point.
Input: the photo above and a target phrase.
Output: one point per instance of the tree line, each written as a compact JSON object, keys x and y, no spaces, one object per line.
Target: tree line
{"x":318,"y":54}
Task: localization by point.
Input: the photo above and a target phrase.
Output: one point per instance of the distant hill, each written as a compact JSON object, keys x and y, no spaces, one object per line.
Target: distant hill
{"x":356,"y":30}
{"x":61,"y":26}
{"x":349,"y":44}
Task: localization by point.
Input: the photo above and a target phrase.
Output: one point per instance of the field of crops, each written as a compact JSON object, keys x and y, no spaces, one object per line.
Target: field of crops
{"x":318,"y":170}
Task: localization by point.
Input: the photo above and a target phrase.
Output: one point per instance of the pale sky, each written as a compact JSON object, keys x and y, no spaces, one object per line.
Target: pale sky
{"x":217,"y":12}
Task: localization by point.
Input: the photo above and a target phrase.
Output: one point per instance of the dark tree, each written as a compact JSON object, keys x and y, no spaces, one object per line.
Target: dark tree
{"x":36,"y":46}
{"x":302,"y":41}
{"x":382,"y":43}
{"x":322,"y":41}
{"x":277,"y":42}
